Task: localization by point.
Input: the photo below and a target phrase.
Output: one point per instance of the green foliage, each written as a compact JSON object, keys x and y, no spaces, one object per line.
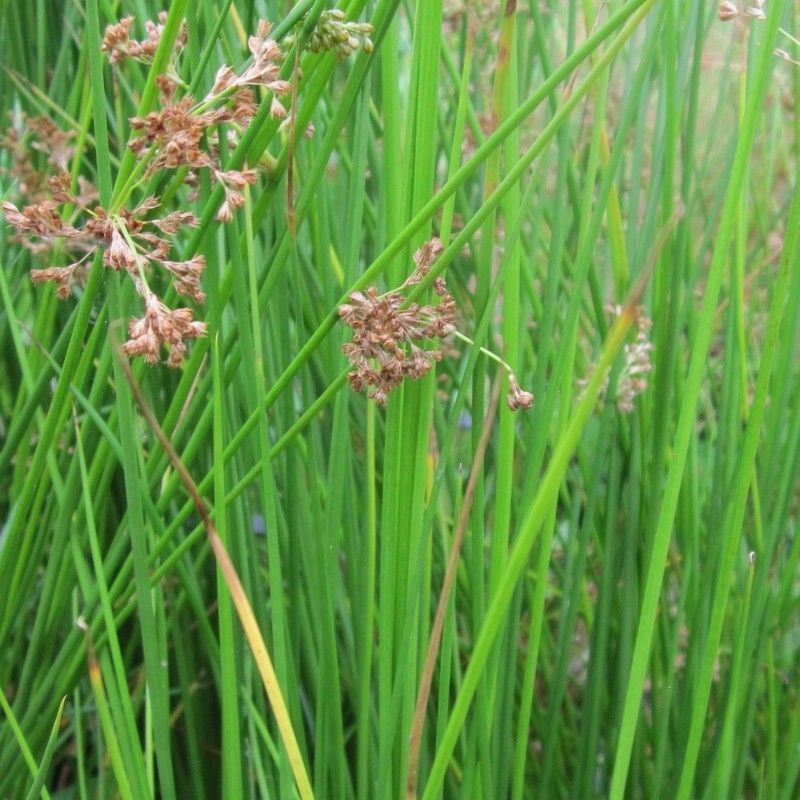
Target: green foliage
{"x":614,"y":187}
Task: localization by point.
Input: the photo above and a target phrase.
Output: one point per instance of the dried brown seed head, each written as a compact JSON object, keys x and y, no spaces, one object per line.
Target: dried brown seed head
{"x":161,"y":327}
{"x":517,"y":398}
{"x":387,"y":344}
{"x":119,"y":46}
{"x":424,"y":259}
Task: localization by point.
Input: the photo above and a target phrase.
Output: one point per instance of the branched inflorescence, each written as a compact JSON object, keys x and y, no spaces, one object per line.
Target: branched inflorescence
{"x":118,"y":44}
{"x":59,"y":215}
{"x":182,"y":134}
{"x":388,"y":338}
{"x":392,"y":338}
{"x":129,"y":241}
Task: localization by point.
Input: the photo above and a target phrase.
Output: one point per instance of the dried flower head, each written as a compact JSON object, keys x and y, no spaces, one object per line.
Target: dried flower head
{"x":264,"y":70}
{"x":632,"y":379}
{"x":174,"y":136}
{"x":389,"y":334}
{"x":233,"y":181}
{"x":424,"y":259}
{"x":120,"y":47}
{"x":180,"y":133}
{"x":389,"y":337}
{"x":161,"y":327}
{"x":387,"y":345}
{"x":517,"y":398}
{"x":65,"y":278}
{"x":184,"y":132}
{"x":131,"y":243}
{"x":175,"y":133}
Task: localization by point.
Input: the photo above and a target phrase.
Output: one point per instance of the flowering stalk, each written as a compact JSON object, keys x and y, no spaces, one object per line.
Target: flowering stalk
{"x":182,"y":134}
{"x":517,"y":398}
{"x":389,"y":333}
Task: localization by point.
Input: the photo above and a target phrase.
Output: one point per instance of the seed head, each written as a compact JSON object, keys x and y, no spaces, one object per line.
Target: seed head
{"x":517,"y":398}
{"x":389,"y":337}
{"x":424,"y":259}
{"x":161,"y":327}
{"x":120,"y":47}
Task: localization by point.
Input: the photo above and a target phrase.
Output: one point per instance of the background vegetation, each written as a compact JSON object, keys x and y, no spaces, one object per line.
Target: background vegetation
{"x":621,"y":616}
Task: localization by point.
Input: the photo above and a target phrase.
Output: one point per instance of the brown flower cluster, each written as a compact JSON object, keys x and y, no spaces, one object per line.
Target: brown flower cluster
{"x":172,"y":138}
{"x":130,"y":242}
{"x":120,"y":47}
{"x":264,"y":69}
{"x":22,"y":140}
{"x":517,"y":398}
{"x":424,"y":258}
{"x":160,"y":326}
{"x":182,"y":133}
{"x":389,"y":336}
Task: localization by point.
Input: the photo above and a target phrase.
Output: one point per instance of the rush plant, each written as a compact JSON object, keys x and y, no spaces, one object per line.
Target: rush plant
{"x":278,"y":518}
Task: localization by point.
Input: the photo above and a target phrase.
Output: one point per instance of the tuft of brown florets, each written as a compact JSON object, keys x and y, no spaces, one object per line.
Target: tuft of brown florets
{"x":517,"y":398}
{"x":41,"y":220}
{"x":387,"y":345}
{"x":424,"y":259}
{"x":65,"y":278}
{"x":120,"y":47}
{"x":162,"y":327}
{"x":183,"y":132}
{"x":131,"y":243}
{"x":264,"y":70}
{"x":389,"y":336}
{"x":392,"y":337}
{"x":175,"y":134}
{"x":186,"y":276}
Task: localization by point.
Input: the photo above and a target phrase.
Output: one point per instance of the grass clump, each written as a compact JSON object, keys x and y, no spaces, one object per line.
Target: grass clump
{"x":225,"y":574}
